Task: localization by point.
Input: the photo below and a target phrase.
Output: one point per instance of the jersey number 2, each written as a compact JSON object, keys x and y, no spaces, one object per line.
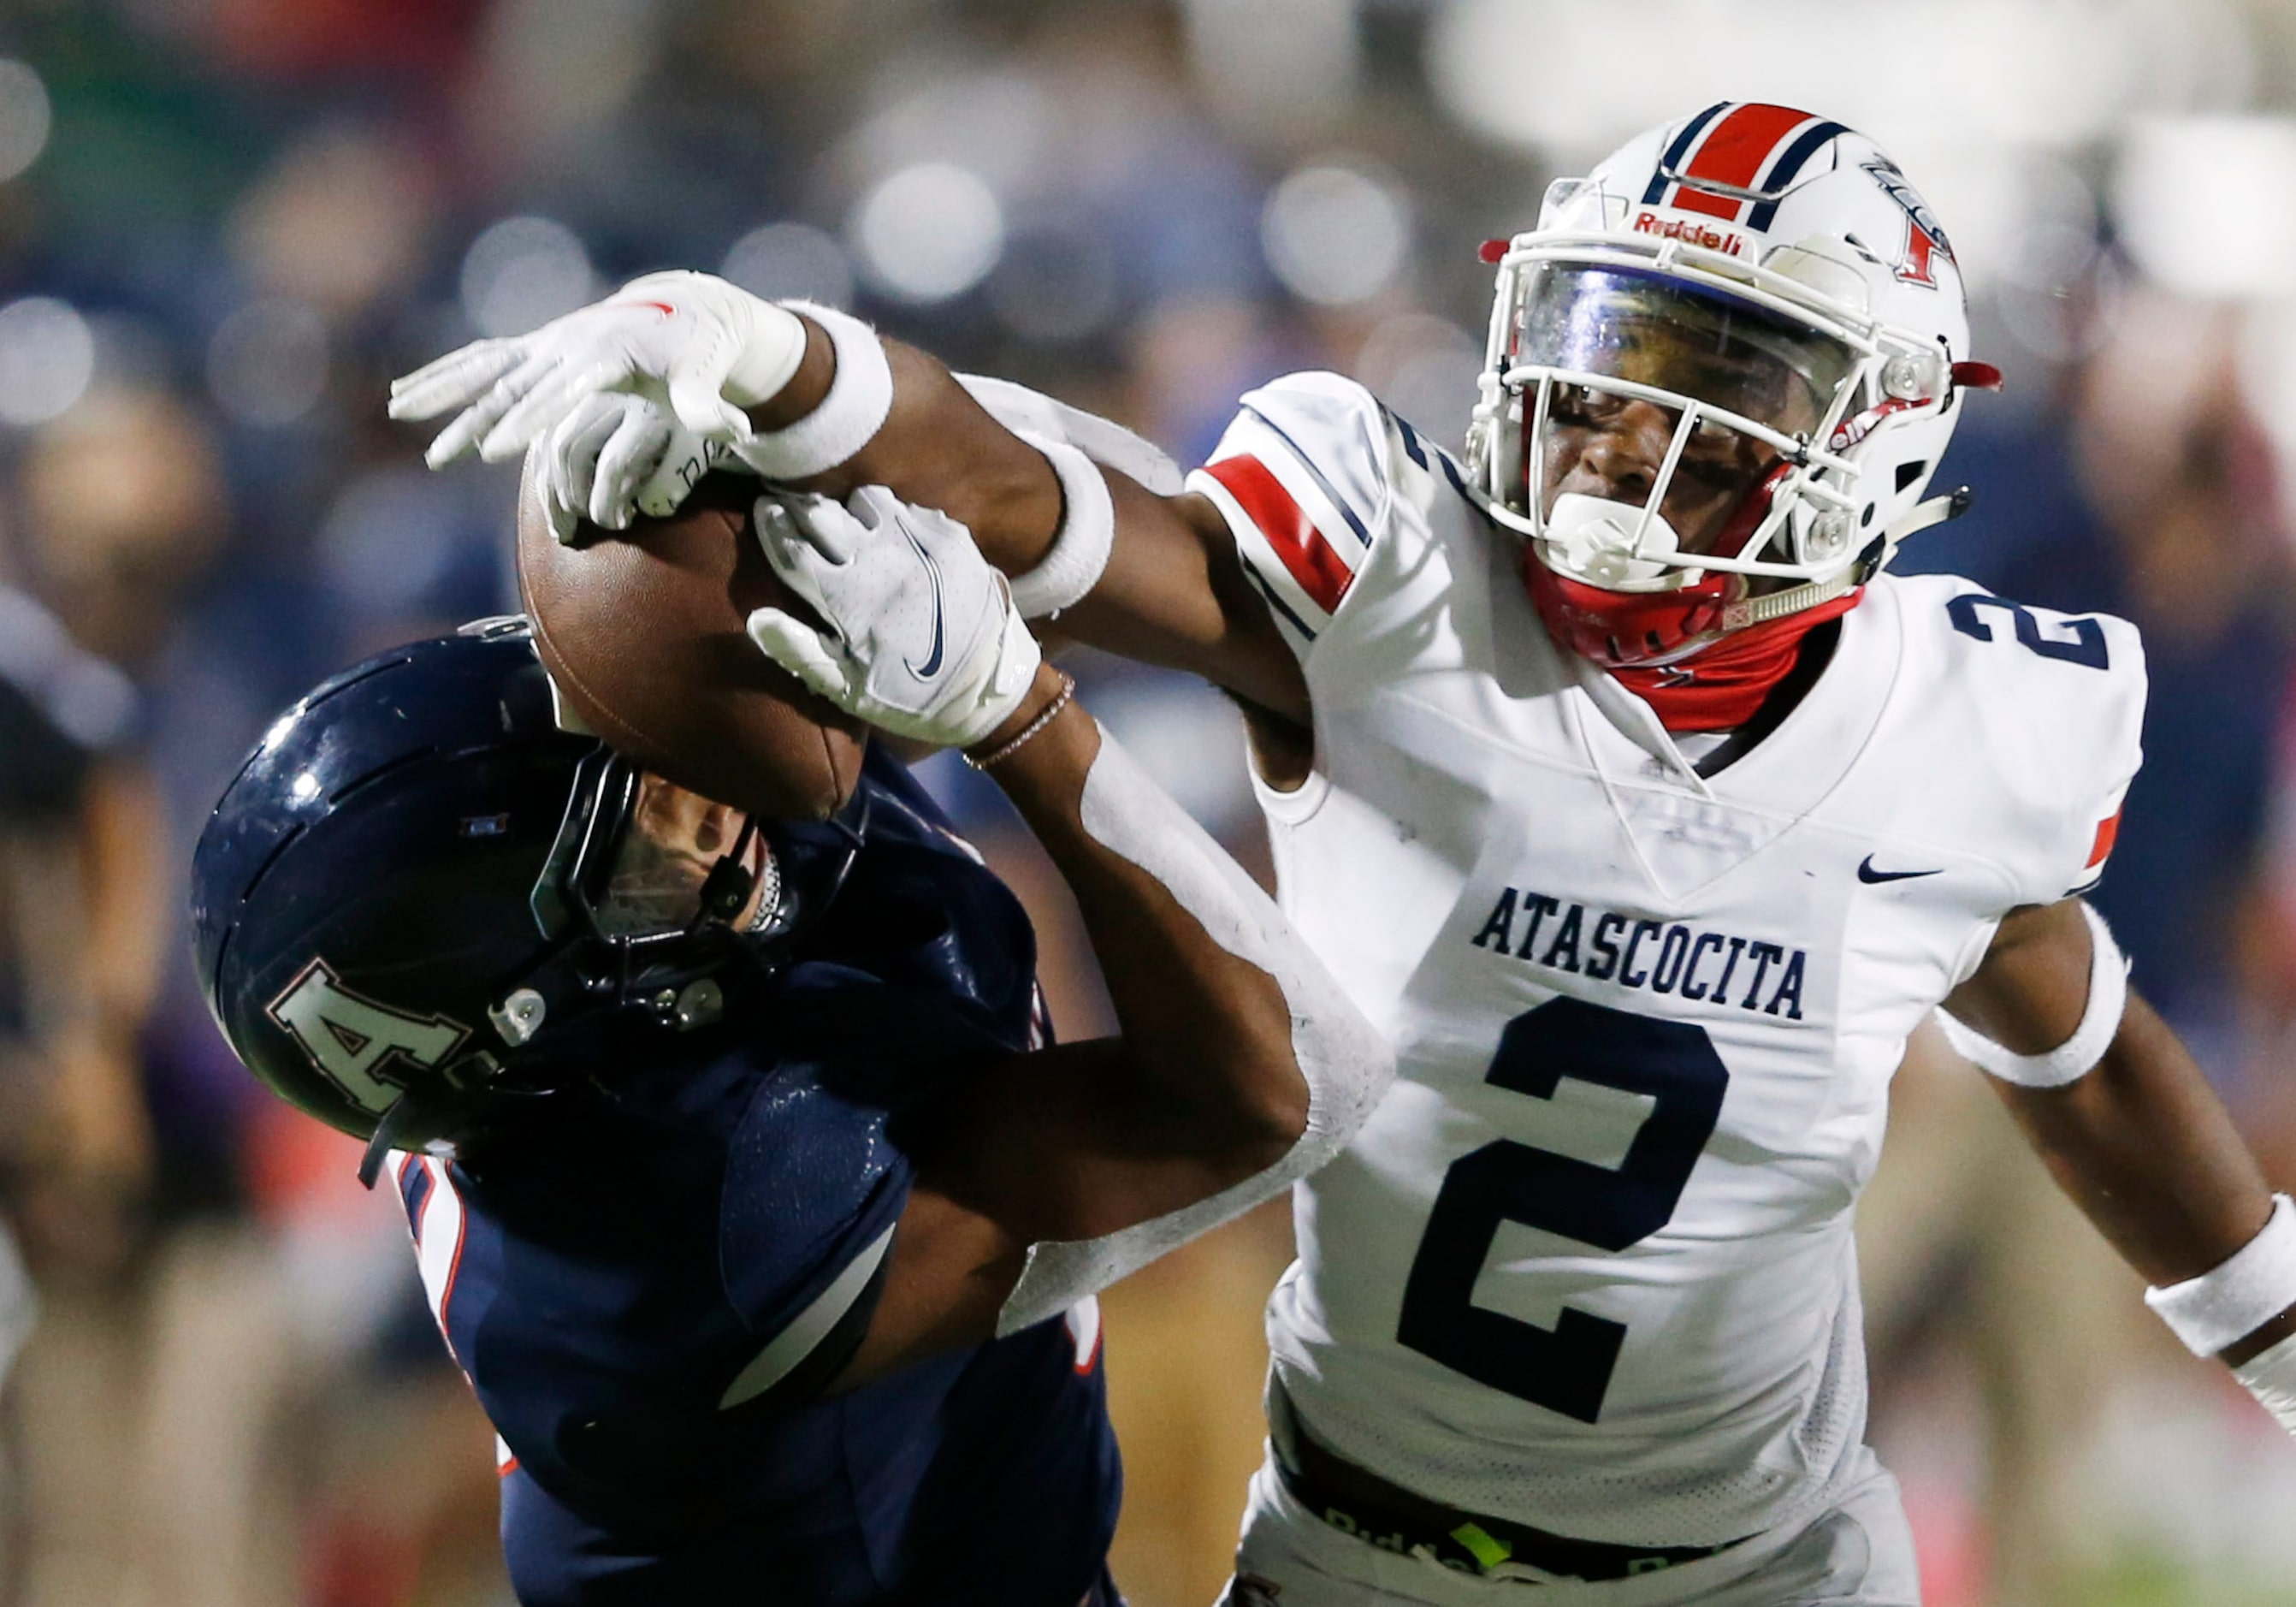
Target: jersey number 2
{"x":1566,"y":1368}
{"x":2086,"y":646}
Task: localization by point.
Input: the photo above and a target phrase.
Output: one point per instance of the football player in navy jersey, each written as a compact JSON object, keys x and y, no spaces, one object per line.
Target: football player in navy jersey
{"x":744,"y":1186}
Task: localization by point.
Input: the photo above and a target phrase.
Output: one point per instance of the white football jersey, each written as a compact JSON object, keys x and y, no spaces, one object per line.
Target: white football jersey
{"x":1589,"y":1266}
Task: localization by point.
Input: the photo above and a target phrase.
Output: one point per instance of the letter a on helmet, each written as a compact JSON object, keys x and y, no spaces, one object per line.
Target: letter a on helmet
{"x":348,"y":1037}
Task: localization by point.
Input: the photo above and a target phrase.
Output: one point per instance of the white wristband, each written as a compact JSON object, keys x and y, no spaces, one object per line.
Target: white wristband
{"x":2271,"y":1377}
{"x":768,"y":357}
{"x":2238,"y":1296}
{"x":1081,"y":546}
{"x":860,"y":396}
{"x":2070,"y":1061}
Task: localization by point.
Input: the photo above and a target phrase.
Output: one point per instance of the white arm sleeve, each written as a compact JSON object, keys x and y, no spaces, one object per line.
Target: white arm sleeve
{"x":1024,"y":411}
{"x":1347,"y":1063}
{"x":1078,"y":445}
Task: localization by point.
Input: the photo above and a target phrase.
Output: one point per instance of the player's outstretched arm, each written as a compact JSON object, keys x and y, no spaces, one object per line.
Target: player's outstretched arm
{"x":706,"y":365}
{"x":1171,"y":591}
{"x":2116,"y":1107}
{"x":1242,"y":1065}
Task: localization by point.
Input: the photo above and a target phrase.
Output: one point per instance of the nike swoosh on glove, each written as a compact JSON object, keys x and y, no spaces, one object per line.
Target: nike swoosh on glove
{"x":707,"y":348}
{"x":617,"y":455}
{"x":921,"y":640}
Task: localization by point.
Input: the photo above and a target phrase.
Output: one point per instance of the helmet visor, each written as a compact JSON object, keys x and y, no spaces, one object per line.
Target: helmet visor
{"x":1654,"y":330}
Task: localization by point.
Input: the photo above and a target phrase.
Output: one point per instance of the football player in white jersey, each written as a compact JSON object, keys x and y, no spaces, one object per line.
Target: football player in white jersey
{"x":1628,"y":792}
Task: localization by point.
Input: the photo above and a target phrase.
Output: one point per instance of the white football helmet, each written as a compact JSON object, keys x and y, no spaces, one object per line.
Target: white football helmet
{"x":1769,"y":284}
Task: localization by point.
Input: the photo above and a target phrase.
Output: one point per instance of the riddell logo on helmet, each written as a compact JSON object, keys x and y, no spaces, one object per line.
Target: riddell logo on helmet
{"x":1690,"y":231}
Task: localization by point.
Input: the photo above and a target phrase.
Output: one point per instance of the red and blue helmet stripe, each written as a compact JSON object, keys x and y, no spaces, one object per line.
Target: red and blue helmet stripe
{"x":1737,"y":159}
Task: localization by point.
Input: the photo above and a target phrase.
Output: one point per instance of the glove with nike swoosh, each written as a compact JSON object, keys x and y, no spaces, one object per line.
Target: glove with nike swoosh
{"x":922,"y":639}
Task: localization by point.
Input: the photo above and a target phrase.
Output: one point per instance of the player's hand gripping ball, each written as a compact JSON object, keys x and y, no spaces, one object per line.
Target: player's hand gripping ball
{"x":644,"y":634}
{"x":615,"y":456}
{"x":914,"y":632}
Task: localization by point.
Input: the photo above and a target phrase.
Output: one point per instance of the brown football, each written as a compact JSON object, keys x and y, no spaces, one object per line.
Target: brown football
{"x":643,"y":631}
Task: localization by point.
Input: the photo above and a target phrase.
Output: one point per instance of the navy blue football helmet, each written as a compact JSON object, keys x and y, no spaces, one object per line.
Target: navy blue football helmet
{"x":397,"y":904}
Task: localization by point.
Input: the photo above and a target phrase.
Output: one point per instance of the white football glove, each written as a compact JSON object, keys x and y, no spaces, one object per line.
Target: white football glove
{"x":617,"y":455}
{"x":922,"y":639}
{"x":708,"y":347}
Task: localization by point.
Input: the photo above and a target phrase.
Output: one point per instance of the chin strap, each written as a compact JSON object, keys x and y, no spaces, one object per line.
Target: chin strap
{"x":1922,"y":516}
{"x":1794,"y":600}
{"x":1720,"y":686}
{"x":381,"y":1143}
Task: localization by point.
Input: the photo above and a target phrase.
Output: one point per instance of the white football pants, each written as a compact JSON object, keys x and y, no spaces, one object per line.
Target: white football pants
{"x":1857,"y":1554}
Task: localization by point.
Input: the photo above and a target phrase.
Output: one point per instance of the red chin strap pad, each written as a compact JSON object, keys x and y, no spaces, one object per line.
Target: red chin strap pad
{"x":1722,"y":686}
{"x":1616,"y":628}
{"x":1715,"y":687}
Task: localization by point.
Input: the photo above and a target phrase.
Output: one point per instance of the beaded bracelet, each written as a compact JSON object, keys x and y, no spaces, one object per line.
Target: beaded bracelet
{"x":1006,"y":750}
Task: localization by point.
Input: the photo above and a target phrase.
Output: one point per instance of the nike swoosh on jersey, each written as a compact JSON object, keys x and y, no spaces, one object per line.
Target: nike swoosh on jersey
{"x":1867,"y":873}
{"x":931,"y":666}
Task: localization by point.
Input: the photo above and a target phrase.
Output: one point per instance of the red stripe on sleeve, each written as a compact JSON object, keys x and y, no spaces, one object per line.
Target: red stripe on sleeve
{"x":2107,"y":829}
{"x":1289,"y":530}
{"x":1734,"y":152}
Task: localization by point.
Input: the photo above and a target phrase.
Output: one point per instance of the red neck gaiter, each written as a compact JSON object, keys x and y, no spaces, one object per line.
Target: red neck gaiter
{"x":1718,"y":688}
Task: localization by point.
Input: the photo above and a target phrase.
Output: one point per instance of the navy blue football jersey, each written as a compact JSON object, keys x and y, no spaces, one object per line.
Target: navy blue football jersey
{"x":626,"y":1274}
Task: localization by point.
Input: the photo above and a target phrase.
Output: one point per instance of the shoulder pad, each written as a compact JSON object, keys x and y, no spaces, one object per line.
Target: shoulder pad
{"x":2051,"y":706}
{"x":1303,"y":477}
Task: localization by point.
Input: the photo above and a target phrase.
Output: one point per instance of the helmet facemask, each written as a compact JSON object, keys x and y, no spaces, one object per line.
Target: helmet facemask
{"x":682,"y":859}
{"x":1649,"y":413}
{"x":646,"y":897}
{"x":645,"y":919}
{"x":1661,"y":418}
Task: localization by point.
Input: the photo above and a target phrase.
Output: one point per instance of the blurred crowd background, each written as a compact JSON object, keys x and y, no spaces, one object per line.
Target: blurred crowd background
{"x":224,"y":223}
